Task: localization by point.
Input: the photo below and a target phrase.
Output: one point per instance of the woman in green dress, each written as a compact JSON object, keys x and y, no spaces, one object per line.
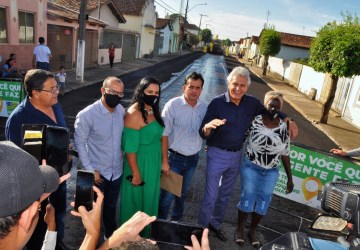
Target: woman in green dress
{"x":141,"y":143}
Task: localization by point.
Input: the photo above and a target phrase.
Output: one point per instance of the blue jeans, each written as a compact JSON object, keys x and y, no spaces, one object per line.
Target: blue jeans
{"x":111,"y":190}
{"x":257,"y":186}
{"x":221,"y":165}
{"x":185,"y":166}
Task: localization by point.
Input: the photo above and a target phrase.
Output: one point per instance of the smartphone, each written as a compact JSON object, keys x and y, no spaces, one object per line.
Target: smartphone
{"x":84,"y":195}
{"x":33,"y":139}
{"x":57,"y":142}
{"x":174,"y":233}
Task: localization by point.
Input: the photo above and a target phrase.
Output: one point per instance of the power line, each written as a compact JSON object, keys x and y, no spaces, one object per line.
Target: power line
{"x":165,"y":7}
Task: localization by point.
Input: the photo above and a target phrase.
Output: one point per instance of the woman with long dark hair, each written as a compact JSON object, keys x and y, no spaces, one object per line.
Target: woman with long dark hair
{"x":141,"y":143}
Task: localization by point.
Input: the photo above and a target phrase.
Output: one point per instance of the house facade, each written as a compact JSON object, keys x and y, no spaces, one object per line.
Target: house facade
{"x":163,"y":35}
{"x":21,"y":24}
{"x":141,"y":21}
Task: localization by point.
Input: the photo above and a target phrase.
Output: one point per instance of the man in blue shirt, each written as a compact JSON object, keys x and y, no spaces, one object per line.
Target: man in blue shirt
{"x":224,"y":126}
{"x":98,"y":132}
{"x":40,"y":106}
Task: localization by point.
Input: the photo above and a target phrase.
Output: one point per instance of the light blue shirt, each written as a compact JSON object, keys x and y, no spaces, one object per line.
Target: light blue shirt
{"x":98,"y":139}
{"x":182,"y":123}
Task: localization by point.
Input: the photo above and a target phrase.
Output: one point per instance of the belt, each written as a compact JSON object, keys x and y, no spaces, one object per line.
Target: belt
{"x":174,"y":152}
{"x":230,"y":149}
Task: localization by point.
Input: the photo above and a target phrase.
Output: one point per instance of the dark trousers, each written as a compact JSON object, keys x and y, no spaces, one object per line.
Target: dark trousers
{"x":111,"y":191}
{"x":43,"y":65}
{"x":111,"y":59}
{"x":58,"y":200}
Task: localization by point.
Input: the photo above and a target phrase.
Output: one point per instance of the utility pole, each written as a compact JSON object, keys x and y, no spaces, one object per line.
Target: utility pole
{"x":183,"y":27}
{"x":201,"y":15}
{"x":81,"y":42}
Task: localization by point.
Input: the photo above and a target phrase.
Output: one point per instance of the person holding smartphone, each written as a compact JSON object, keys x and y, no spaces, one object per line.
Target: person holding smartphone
{"x":98,"y":133}
{"x":40,"y":106}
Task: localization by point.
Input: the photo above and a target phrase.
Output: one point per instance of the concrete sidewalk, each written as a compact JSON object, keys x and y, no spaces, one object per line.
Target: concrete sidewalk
{"x":343,"y":133}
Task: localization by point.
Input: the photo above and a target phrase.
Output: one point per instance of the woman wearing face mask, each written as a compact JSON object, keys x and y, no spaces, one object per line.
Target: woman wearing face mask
{"x":267,"y":142}
{"x":141,"y":143}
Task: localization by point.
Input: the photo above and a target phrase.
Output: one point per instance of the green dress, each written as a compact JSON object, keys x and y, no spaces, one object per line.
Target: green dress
{"x":146,"y":143}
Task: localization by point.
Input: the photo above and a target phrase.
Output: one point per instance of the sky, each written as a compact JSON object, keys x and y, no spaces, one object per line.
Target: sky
{"x":235,"y":19}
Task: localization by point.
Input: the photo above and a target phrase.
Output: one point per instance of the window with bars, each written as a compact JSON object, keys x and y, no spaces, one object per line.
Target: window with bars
{"x":3,"y":26}
{"x":26,"y":27}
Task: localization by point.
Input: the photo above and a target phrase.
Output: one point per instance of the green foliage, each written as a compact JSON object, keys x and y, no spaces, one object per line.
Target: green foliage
{"x":336,"y":48}
{"x":206,"y":35}
{"x":270,"y":42}
{"x":227,"y":42}
{"x":193,"y":39}
{"x":303,"y":61}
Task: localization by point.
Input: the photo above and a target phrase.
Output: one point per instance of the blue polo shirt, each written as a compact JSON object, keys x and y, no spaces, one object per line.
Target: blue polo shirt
{"x":26,"y":113}
{"x":238,"y":119}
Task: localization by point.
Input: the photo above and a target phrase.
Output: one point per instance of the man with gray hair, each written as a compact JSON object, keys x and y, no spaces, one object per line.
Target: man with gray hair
{"x":98,"y":132}
{"x":224,"y":126}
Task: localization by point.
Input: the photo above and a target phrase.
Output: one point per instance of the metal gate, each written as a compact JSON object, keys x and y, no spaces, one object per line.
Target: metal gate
{"x":91,"y":48}
{"x":129,"y":47}
{"x":60,"y":42}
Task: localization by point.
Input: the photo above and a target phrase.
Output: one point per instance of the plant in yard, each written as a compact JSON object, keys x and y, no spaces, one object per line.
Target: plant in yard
{"x":336,"y":52}
{"x":270,"y":44}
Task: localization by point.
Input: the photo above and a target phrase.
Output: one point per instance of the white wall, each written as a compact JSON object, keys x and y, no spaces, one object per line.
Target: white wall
{"x":352,"y":107}
{"x":289,"y":53}
{"x":311,"y":79}
{"x":166,"y":33}
{"x":148,"y":33}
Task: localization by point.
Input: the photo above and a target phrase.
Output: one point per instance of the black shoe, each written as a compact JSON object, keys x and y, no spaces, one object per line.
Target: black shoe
{"x":219,"y":233}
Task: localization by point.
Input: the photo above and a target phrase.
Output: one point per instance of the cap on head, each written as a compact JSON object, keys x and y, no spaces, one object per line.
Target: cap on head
{"x":274,"y":95}
{"x":22,"y":180}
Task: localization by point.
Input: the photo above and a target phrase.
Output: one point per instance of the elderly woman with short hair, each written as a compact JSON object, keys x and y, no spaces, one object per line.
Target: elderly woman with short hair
{"x":267,"y":142}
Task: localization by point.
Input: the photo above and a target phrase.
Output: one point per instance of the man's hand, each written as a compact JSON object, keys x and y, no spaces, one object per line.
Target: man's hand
{"x":129,"y":231}
{"x":293,"y":130}
{"x":213,"y":125}
{"x":91,"y":219}
{"x":337,"y":151}
{"x":204,"y":242}
{"x":289,"y":186}
{"x":165,"y":168}
{"x":98,"y":180}
{"x":49,"y":218}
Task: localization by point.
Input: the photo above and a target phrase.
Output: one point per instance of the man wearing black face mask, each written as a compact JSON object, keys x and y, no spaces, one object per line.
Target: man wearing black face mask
{"x":98,"y":131}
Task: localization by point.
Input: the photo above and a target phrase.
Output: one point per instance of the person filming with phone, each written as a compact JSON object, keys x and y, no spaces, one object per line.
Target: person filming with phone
{"x":98,"y":132}
{"x":40,"y":106}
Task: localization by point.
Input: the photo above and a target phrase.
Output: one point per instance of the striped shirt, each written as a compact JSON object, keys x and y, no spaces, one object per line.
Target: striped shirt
{"x":182,"y":123}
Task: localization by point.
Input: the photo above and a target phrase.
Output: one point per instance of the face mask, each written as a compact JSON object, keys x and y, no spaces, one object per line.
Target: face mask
{"x":150,"y":99}
{"x":112,"y":100}
{"x":272,"y":114}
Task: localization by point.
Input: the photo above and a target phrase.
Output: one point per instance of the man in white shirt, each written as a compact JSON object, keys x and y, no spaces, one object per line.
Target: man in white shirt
{"x":42,"y":55}
{"x":181,"y":140}
{"x":98,"y":132}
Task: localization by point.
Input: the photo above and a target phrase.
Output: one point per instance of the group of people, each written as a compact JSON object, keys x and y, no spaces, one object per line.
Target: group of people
{"x":129,"y":150}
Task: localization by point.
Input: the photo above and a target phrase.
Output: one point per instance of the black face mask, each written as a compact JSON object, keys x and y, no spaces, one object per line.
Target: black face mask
{"x":112,"y":100}
{"x":272,"y":114}
{"x":150,"y":99}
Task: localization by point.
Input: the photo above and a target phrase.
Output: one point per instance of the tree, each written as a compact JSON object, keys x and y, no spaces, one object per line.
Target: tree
{"x":206,"y":36}
{"x":227,"y":42}
{"x":336,"y":52}
{"x":270,"y":44}
{"x":193,"y":39}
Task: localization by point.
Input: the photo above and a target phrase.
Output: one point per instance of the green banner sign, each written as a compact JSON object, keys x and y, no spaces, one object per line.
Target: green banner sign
{"x":11,"y":95}
{"x":311,"y":170}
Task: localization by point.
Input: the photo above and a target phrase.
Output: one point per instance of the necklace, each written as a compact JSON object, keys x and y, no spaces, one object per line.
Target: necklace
{"x":149,"y":112}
